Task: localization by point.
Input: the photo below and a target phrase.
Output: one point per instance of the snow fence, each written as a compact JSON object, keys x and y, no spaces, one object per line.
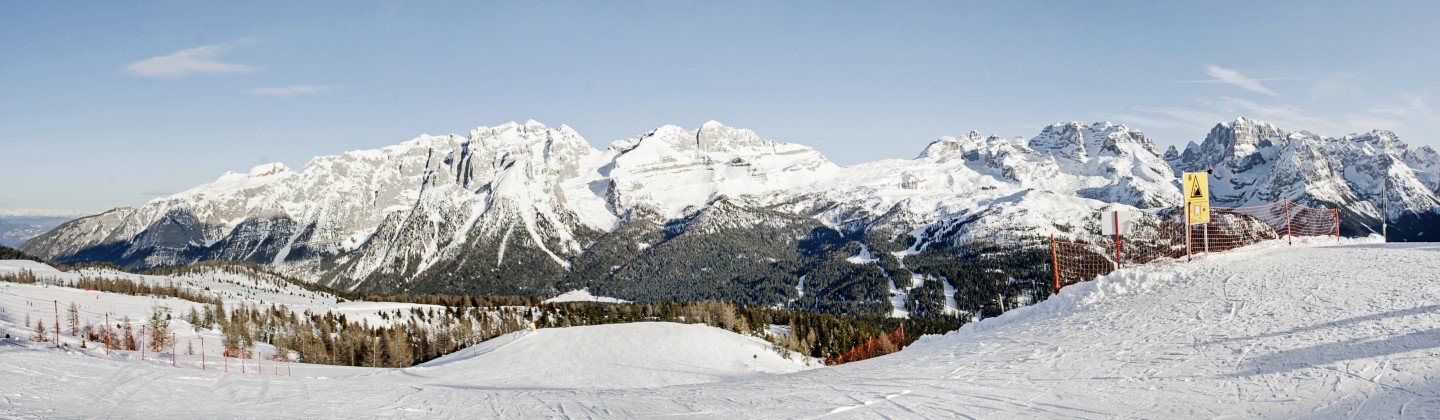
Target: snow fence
{"x":1229,"y":229}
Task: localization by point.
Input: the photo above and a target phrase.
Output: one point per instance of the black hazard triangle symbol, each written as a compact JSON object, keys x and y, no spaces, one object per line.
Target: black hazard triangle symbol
{"x":1199,"y":192}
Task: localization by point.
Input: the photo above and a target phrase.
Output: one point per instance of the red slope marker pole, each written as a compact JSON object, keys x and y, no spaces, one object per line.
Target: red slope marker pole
{"x":1117,"y":239}
{"x":1336,"y":213}
{"x":1288,"y":235}
{"x":1189,"y":253}
{"x":1054,"y":263}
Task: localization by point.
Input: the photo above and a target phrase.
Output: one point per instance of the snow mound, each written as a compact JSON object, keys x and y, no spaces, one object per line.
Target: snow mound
{"x":637,"y":355}
{"x":583,"y":295}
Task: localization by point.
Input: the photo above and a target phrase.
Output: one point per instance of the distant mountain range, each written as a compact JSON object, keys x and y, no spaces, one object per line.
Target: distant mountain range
{"x":1257,"y":163}
{"x":15,"y":230}
{"x":721,"y":213}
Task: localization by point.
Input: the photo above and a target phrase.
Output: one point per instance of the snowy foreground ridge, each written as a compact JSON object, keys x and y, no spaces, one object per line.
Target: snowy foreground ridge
{"x":1316,"y":330}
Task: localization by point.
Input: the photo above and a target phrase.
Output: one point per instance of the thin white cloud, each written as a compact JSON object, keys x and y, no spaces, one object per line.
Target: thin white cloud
{"x":1231,"y":77}
{"x":1189,"y":116}
{"x":192,"y":61}
{"x":1413,"y":107}
{"x":1360,"y":123}
{"x":1287,"y":116}
{"x":1144,"y":122}
{"x":1411,"y":111}
{"x":1333,"y":86}
{"x":288,"y":91}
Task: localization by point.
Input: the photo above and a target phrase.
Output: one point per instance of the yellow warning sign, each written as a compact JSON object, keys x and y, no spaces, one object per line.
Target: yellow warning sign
{"x":1197,"y":197}
{"x":1197,"y":187}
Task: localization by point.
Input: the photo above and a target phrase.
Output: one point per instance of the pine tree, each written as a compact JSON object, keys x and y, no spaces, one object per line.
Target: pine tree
{"x":194,"y":319}
{"x":73,"y":318}
{"x":159,"y":327}
{"x":129,"y":331}
{"x":40,"y":331}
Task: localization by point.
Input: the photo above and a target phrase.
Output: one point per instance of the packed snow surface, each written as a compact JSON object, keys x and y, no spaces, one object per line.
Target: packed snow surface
{"x":1315,"y":330}
{"x":638,"y":355}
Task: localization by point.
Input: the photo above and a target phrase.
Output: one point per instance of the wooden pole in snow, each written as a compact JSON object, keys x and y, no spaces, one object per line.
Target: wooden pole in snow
{"x":57,"y":323}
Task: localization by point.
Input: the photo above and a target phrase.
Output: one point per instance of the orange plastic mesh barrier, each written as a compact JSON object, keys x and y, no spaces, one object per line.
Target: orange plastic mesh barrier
{"x":878,"y":346}
{"x":1229,"y":228}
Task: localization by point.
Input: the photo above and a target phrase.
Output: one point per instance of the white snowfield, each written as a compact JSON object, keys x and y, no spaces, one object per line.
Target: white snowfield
{"x":639,"y":355}
{"x":1320,"y":330}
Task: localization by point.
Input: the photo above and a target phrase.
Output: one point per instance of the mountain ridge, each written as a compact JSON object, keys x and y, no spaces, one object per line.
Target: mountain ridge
{"x":528,"y":209}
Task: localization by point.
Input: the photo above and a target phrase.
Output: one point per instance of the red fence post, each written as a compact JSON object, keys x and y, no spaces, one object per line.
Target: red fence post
{"x":107,"y":333}
{"x":202,"y":353}
{"x":1054,"y":263}
{"x":1289,"y":236}
{"x":1336,"y":213}
{"x":1117,"y":239}
{"x":142,"y":343}
{"x":1189,"y":256}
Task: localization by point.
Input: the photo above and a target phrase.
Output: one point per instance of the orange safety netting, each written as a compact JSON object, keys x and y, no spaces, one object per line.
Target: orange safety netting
{"x":1229,"y":228}
{"x":878,"y":346}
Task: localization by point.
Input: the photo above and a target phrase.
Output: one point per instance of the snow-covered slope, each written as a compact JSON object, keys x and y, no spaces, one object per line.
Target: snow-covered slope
{"x":583,"y":295}
{"x":235,"y":285}
{"x":638,"y":355}
{"x":1322,"y":331}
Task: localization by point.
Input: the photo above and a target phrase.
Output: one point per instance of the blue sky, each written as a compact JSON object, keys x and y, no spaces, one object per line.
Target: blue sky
{"x":106,"y":104}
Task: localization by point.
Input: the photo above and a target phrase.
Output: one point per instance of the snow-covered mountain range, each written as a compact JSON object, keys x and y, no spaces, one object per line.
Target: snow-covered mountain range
{"x":711,"y":213}
{"x":1255,"y":163}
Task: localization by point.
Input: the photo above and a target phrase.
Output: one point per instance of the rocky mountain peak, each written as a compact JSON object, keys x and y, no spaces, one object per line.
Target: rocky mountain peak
{"x":1077,"y":141}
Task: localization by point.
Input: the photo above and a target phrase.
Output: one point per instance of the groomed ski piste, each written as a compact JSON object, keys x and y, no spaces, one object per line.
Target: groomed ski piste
{"x":1321,"y":329}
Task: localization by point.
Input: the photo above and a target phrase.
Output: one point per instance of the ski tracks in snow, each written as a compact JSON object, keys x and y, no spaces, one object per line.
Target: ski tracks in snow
{"x":1277,"y":333}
